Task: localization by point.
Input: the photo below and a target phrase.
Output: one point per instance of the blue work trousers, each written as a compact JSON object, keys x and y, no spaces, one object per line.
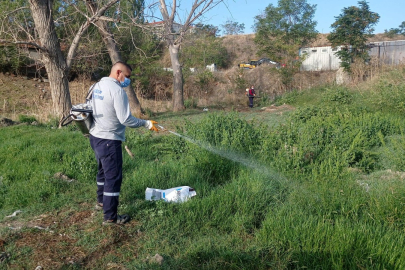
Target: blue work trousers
{"x":251,"y":102}
{"x":109,"y":177}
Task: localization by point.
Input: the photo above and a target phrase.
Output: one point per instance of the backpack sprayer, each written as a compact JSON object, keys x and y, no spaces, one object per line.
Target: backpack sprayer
{"x":81,"y":114}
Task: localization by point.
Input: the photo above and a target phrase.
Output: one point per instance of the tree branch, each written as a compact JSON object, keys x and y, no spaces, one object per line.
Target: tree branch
{"x":36,"y":45}
{"x":83,"y":28}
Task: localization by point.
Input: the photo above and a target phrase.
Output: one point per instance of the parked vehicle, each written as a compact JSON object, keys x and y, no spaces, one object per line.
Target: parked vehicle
{"x":255,"y":63}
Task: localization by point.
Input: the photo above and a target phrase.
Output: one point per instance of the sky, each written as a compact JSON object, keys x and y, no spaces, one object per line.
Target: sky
{"x":392,"y":12}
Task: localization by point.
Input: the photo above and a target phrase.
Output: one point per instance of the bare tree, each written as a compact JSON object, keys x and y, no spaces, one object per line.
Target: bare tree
{"x":37,"y":29}
{"x":115,"y":55}
{"x":174,"y":39}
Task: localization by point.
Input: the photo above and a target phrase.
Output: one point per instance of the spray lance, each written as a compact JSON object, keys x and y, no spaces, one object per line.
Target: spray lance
{"x":165,"y":129}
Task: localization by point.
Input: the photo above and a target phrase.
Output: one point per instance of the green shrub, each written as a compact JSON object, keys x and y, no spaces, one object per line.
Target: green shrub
{"x":387,"y":96}
{"x":200,"y":52}
{"x":204,"y":80}
{"x":191,"y":103}
{"x":288,"y":98}
{"x":26,"y":119}
{"x":338,"y":95}
{"x":226,"y":130}
{"x":392,"y":152}
{"x":240,"y":80}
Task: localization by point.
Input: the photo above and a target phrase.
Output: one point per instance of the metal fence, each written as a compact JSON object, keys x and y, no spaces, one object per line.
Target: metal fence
{"x":389,"y":52}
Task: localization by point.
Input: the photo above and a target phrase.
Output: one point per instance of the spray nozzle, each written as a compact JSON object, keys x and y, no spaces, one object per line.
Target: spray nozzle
{"x":162,"y":128}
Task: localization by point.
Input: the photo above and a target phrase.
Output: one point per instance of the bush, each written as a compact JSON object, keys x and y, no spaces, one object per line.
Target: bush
{"x":228,"y":131}
{"x":200,"y":52}
{"x":392,"y":153}
{"x":26,"y":119}
{"x":190,"y":103}
{"x":288,"y":98}
{"x":388,"y":96}
{"x":339,"y":95}
{"x":11,"y":59}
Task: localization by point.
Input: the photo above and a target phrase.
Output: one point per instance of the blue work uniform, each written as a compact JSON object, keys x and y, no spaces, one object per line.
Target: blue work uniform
{"x":111,"y":115}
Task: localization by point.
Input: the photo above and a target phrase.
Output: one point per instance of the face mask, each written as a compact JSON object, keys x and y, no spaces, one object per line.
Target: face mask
{"x":126,"y":82}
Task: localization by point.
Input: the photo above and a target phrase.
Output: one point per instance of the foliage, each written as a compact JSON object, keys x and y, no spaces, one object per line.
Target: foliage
{"x":233,"y":28}
{"x":199,"y":51}
{"x":203,"y":30}
{"x":340,"y":134}
{"x":393,"y":153}
{"x":93,"y":59}
{"x":227,"y":131}
{"x":190,"y":103}
{"x":26,"y":119}
{"x":204,"y":81}
{"x":281,"y":30}
{"x":239,"y":79}
{"x":396,"y":31}
{"x":287,"y":98}
{"x":16,"y":12}
{"x":142,"y":54}
{"x":386,"y":95}
{"x":13,"y":59}
{"x":287,"y":73}
{"x":339,"y":95}
{"x":351,"y":30}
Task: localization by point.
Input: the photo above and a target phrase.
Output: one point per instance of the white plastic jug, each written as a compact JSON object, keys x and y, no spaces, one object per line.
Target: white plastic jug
{"x":177,"y":194}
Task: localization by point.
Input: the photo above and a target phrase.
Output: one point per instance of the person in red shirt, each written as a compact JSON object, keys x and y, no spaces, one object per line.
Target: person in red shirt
{"x":251,"y":94}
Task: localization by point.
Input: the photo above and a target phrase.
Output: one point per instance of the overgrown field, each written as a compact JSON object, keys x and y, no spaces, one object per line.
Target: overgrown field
{"x":320,"y":188}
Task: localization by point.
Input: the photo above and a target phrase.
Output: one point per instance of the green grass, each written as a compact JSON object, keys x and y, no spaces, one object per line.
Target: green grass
{"x":321,"y":187}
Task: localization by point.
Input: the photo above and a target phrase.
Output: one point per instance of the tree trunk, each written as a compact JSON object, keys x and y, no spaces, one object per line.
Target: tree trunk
{"x":115,"y":56}
{"x":53,"y":59}
{"x":178,"y":101}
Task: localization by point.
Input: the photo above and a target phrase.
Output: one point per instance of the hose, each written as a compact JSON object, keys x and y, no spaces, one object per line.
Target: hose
{"x":62,"y":123}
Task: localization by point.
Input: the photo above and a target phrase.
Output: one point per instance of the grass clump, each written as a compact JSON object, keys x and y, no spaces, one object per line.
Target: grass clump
{"x":26,"y":119}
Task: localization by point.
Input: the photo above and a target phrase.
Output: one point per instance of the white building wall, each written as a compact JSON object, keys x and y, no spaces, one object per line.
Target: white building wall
{"x":319,"y":58}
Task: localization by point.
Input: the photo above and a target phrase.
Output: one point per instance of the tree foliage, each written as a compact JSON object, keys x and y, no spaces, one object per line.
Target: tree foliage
{"x":203,"y":48}
{"x":351,"y":30}
{"x":281,"y":30}
{"x":233,"y":28}
{"x":204,"y":30}
{"x":396,"y":31}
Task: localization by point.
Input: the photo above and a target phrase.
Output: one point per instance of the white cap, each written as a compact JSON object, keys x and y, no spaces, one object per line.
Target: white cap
{"x":247,"y":89}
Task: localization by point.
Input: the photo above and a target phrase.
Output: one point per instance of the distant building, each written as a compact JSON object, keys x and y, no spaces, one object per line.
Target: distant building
{"x":319,"y":58}
{"x":157,"y":28}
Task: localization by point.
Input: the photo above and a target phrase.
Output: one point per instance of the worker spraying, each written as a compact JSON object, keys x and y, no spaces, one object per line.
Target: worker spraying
{"x":250,"y":93}
{"x":112,"y":115}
